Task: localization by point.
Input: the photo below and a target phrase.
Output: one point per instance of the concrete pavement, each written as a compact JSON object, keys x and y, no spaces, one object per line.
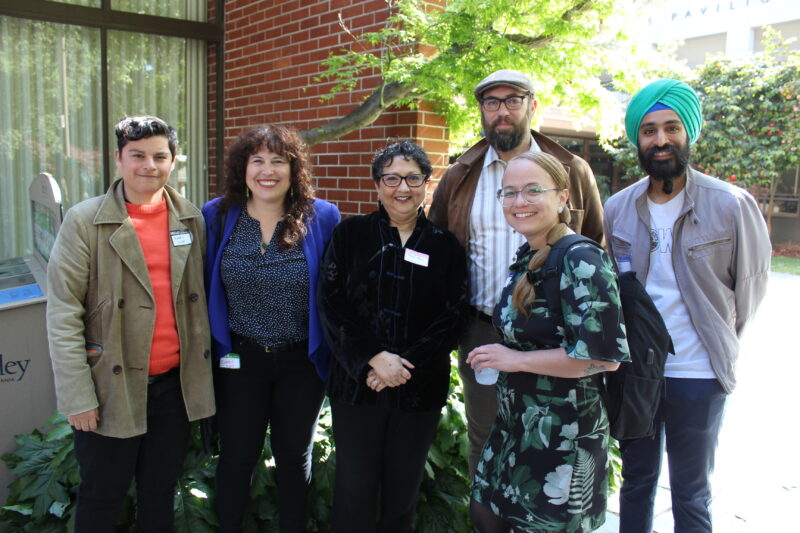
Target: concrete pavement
{"x":757,"y":478}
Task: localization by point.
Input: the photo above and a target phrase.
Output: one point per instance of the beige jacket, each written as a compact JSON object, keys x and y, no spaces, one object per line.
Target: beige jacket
{"x":720,"y":253}
{"x":99,"y":294}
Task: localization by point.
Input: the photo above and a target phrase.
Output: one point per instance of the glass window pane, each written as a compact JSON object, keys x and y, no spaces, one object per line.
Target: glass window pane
{"x":596,"y":148}
{"x":572,"y":144}
{"x":602,"y":166}
{"x":179,"y":9}
{"x":87,"y":3}
{"x":50,"y":119}
{"x":163,"y":76}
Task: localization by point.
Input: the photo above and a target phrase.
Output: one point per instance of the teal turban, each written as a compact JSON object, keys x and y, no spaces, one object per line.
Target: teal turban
{"x":672,"y":93}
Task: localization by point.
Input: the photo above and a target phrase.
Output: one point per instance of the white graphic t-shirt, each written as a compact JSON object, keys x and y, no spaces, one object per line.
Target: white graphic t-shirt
{"x":691,"y":358}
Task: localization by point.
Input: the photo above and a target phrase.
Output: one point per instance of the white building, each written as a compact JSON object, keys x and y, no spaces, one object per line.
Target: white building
{"x":733,"y":28}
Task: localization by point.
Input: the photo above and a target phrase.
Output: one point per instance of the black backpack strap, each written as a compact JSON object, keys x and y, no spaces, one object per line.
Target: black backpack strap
{"x":548,"y":278}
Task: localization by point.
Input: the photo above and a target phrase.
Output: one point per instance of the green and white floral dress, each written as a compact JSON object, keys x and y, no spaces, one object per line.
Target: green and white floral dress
{"x":544,"y":465}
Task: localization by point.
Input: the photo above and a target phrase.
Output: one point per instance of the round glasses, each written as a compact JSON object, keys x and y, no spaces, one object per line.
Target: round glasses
{"x":412,"y":180}
{"x":512,"y":103}
{"x":531,"y":194}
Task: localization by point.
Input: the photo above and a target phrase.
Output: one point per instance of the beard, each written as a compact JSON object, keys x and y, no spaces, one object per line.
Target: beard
{"x":509,"y":140}
{"x":669,"y":169}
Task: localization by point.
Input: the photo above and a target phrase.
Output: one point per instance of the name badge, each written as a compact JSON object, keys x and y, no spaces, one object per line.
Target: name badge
{"x":181,"y":237}
{"x":230,"y":361}
{"x":417,"y":258}
{"x":624,"y":264}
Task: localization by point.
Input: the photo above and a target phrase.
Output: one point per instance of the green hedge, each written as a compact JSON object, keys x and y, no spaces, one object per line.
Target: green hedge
{"x":42,"y":498}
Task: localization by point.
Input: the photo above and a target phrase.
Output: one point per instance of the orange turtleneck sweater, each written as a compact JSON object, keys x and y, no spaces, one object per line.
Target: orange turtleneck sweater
{"x":152,"y":227}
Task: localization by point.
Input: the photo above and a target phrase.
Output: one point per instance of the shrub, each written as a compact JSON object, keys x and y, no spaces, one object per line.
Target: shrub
{"x":42,"y":498}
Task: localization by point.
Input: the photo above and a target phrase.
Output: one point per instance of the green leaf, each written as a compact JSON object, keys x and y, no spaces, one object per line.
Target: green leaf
{"x":23,"y":509}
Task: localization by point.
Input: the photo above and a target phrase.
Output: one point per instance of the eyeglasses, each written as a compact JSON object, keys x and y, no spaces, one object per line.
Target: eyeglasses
{"x":412,"y":180}
{"x":531,"y":194}
{"x":512,"y":103}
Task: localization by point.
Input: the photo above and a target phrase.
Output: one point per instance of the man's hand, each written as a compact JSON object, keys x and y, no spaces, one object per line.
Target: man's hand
{"x":86,"y":421}
{"x":391,"y":369}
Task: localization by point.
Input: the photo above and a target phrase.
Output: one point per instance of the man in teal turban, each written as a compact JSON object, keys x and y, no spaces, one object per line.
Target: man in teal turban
{"x":669,"y":100}
{"x":700,"y":247}
{"x":671,"y":94}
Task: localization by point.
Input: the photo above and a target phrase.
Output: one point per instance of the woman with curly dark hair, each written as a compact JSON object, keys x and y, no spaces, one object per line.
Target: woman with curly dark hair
{"x":266,"y":237}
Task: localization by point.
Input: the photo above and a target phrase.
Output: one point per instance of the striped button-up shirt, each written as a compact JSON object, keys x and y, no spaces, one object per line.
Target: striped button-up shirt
{"x":492,"y":242}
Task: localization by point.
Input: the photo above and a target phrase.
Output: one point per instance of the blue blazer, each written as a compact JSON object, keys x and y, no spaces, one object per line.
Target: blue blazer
{"x":320,"y":226}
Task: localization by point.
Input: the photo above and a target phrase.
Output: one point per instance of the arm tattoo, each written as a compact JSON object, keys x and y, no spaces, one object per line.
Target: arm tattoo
{"x":593,"y":369}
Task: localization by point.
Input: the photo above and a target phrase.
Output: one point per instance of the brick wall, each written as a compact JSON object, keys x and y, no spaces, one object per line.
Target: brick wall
{"x":273,"y":50}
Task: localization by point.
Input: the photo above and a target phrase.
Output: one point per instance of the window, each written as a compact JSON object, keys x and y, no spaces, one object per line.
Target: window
{"x":593,"y":153}
{"x":64,"y":85}
{"x":787,"y":195}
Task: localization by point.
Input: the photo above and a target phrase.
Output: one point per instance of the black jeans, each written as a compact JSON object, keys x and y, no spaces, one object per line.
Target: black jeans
{"x":155,"y":459}
{"x":284,"y":392}
{"x":379,"y":451}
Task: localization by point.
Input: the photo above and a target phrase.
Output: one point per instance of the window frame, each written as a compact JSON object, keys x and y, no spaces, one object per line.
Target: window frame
{"x":104,"y":18}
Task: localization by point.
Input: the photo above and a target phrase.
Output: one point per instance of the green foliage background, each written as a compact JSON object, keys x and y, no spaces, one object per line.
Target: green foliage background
{"x":442,"y":53}
{"x":42,"y":499}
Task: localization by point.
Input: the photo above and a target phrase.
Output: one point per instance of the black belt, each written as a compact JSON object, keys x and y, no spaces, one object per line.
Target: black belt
{"x":480,"y":315}
{"x":270,"y":348}
{"x":158,"y":378}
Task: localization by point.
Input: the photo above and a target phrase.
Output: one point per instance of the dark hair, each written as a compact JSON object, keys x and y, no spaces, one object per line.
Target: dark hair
{"x":144,"y":126}
{"x":408,"y":151}
{"x":299,"y":201}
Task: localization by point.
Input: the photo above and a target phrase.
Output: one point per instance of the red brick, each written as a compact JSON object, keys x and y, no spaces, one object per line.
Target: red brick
{"x":350,"y":183}
{"x":336,"y":195}
{"x":349,"y":207}
{"x":363,"y":196}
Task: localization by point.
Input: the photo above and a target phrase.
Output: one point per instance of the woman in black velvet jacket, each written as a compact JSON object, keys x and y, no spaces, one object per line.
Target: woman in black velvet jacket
{"x":393,"y":303}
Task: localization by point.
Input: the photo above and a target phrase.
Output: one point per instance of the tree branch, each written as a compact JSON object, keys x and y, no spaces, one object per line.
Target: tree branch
{"x":382,"y":97}
{"x":529,"y":41}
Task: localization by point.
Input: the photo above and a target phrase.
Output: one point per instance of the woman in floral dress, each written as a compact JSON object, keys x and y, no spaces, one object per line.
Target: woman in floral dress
{"x":543,"y":467}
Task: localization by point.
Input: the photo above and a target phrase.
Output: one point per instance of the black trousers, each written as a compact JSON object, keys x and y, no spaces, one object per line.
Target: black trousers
{"x":155,"y":460}
{"x":380,"y":460}
{"x":284,"y":392}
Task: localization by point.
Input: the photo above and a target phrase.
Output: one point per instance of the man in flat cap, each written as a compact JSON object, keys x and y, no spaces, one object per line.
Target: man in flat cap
{"x":465,"y":203}
{"x":700,"y":246}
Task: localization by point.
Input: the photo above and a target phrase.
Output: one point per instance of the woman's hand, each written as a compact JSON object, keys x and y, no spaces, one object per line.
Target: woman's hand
{"x":374,"y":382}
{"x":495,"y":356}
{"x":547,"y":361}
{"x":86,"y":421}
{"x":391,"y":369}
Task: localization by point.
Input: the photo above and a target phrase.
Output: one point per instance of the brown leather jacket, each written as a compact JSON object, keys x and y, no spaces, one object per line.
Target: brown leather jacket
{"x":452,"y":199}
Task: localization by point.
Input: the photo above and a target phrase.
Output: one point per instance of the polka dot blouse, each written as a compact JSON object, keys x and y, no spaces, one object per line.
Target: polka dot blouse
{"x":267,"y":289}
